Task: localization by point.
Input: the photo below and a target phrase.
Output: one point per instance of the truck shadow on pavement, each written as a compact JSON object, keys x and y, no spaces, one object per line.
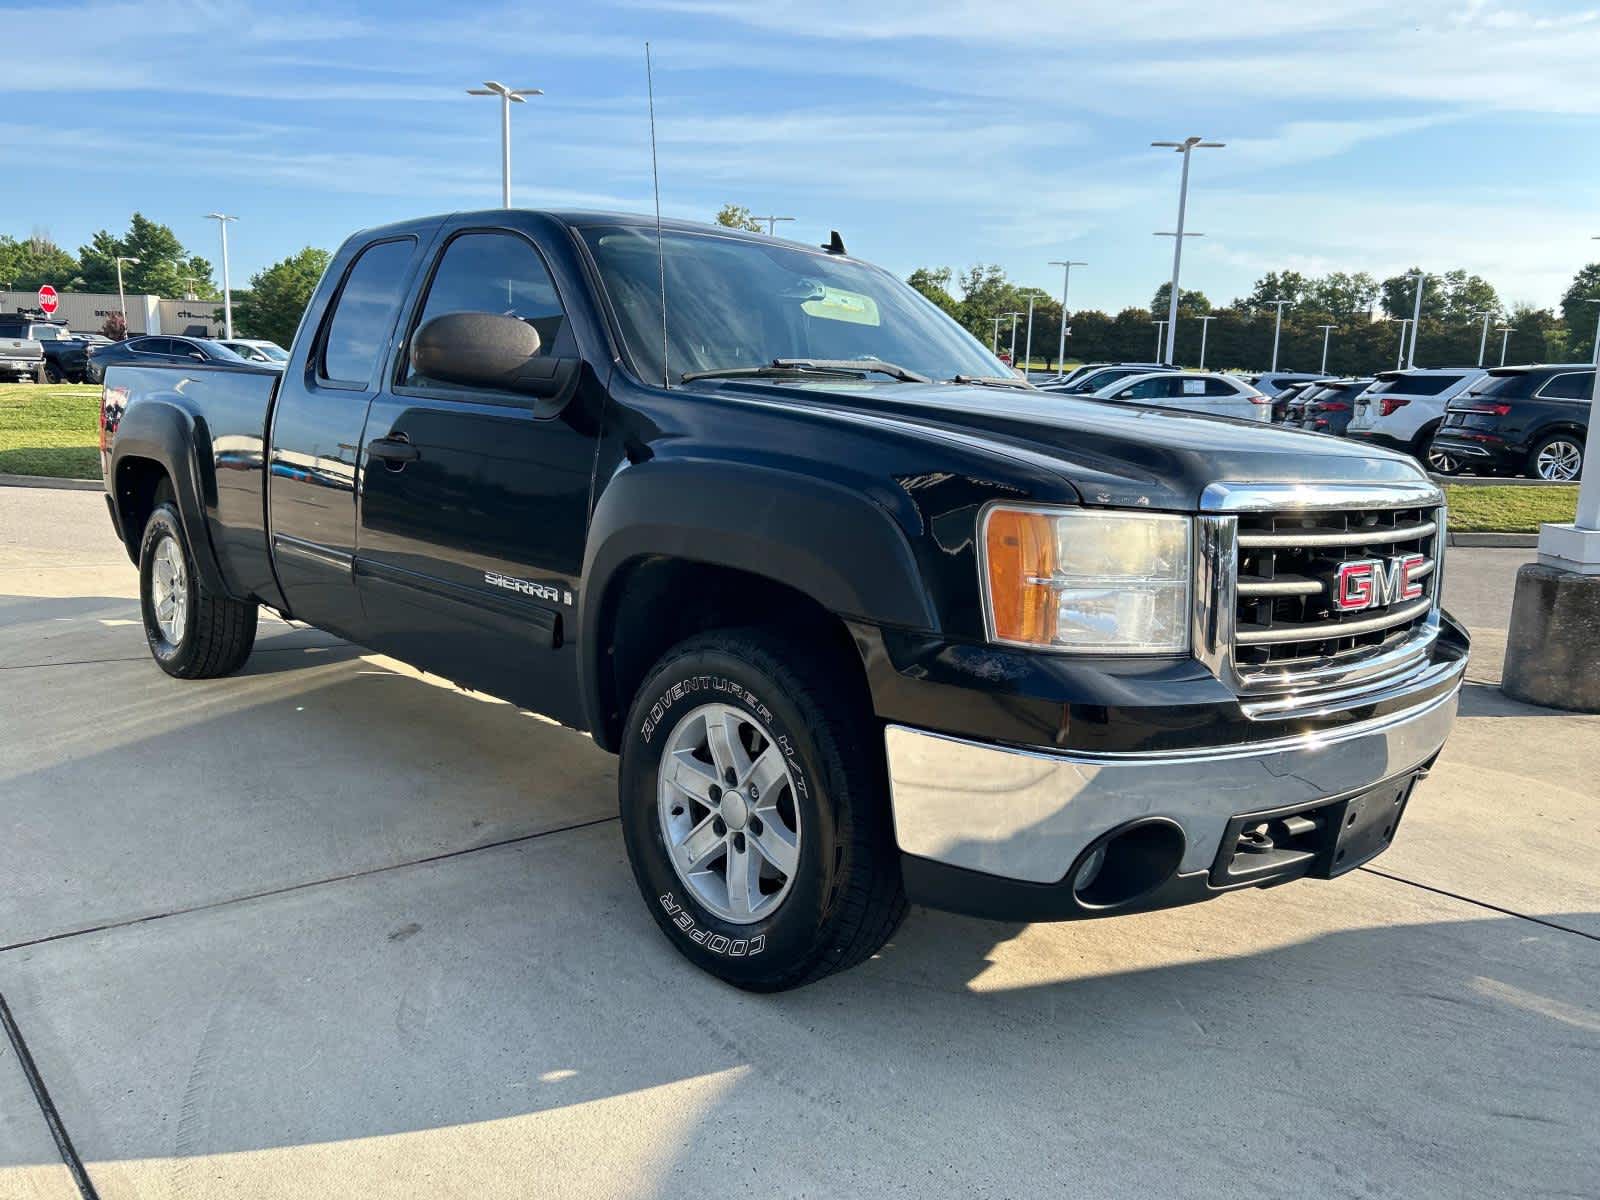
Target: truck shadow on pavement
{"x":446,"y":973}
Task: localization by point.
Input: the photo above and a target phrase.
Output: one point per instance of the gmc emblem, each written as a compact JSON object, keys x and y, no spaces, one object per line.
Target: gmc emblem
{"x":1376,"y":582}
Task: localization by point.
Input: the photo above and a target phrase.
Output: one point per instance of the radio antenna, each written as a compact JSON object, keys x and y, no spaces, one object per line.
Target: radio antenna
{"x":655,"y":179}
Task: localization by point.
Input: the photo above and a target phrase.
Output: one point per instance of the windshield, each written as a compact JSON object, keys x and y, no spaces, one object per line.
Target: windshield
{"x":274,"y":351}
{"x":738,"y":303}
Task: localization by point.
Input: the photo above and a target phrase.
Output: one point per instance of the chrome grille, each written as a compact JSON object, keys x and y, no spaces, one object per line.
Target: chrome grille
{"x":1270,"y":554}
{"x":1284,"y":616}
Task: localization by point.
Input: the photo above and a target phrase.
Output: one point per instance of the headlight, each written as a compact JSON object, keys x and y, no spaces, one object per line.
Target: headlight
{"x":1085,"y":580}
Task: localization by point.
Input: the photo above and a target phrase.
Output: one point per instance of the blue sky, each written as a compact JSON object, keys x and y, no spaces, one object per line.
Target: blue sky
{"x":1361,"y":135}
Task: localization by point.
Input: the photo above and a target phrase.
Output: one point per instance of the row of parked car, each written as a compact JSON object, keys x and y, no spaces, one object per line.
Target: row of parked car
{"x":1528,"y":420}
{"x":36,"y":348}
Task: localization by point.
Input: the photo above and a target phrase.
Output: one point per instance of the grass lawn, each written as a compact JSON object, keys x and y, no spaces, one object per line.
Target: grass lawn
{"x":50,"y":429}
{"x":1508,"y":509}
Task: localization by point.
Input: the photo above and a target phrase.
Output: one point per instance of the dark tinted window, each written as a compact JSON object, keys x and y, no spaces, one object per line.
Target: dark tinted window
{"x":1575,"y":385}
{"x":13,"y":329}
{"x":151,"y":345}
{"x":1220,"y":387}
{"x":1509,"y":387}
{"x":1415,"y":385}
{"x":496,"y":273}
{"x":1145,"y":389}
{"x":366,"y":309}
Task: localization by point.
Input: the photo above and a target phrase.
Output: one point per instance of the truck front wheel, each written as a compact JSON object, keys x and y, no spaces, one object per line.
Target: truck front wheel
{"x":194,"y":632}
{"x":755,"y":813}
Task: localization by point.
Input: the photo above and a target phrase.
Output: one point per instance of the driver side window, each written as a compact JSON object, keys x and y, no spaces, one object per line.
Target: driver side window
{"x":497,"y":273}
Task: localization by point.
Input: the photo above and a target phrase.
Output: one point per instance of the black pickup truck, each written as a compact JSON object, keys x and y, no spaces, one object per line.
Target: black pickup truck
{"x":867,"y":618}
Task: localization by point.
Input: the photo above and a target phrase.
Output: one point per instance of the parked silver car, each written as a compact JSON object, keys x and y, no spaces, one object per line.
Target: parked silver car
{"x":1193,"y":391}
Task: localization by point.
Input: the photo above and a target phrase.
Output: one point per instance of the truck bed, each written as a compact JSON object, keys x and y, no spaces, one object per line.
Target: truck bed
{"x":227,"y":410}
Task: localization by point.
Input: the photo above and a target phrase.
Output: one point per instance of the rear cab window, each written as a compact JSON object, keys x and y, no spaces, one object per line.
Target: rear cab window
{"x":364,"y":313}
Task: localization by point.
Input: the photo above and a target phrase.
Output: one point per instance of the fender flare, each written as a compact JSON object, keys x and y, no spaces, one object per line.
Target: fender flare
{"x":165,"y":432}
{"x":826,"y":541}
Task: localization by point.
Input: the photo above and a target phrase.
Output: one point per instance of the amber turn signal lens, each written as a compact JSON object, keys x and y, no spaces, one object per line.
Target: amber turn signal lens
{"x":1020,"y":548}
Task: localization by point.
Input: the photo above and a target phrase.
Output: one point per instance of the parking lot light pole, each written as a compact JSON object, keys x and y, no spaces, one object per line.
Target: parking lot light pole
{"x":1326,"y":330}
{"x":994,"y":337}
{"x":508,"y":97}
{"x":1184,"y":148}
{"x":1505,"y":332}
{"x":1483,"y":342}
{"x":1066,"y":266}
{"x":771,"y":222}
{"x":1027,"y":354}
{"x":1205,"y":328}
{"x":1013,"y":350}
{"x":1277,"y":328}
{"x":1400,"y":356}
{"x":122,"y":302}
{"x":1595,"y":356}
{"x":222,"y":220}
{"x":1416,"y":318}
{"x":1161,"y":327}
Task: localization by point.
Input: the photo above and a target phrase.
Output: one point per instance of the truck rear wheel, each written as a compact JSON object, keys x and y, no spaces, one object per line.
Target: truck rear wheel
{"x":754,"y":808}
{"x":194,"y":633}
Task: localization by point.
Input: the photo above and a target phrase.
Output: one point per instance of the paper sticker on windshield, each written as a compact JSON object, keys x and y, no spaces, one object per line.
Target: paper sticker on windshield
{"x":1194,"y":387}
{"x":835,"y":304}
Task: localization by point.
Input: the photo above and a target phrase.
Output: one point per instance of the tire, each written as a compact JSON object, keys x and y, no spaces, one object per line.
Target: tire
{"x":193,"y":632}
{"x":1558,"y":456}
{"x":1440,"y":462}
{"x":52,"y":373}
{"x":792,"y":712}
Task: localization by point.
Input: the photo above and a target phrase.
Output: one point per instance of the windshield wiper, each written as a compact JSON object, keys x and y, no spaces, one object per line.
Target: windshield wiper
{"x":994,"y":381}
{"x":821,"y":366}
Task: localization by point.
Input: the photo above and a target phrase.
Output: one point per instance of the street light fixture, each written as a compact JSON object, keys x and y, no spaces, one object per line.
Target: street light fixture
{"x":122,"y":301}
{"x":994,"y":336}
{"x":1184,"y":148}
{"x":1205,"y":328}
{"x":1013,"y":350}
{"x":771,"y":222}
{"x":1066,"y":265}
{"x":222,"y":220}
{"x":1326,"y":330}
{"x":1161,"y":327}
{"x":1277,"y":326}
{"x":1505,"y":332}
{"x":1027,"y":354}
{"x":508,"y":97}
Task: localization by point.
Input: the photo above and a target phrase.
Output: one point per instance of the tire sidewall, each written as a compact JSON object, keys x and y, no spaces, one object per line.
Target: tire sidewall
{"x":173,"y":657}
{"x":1545,"y":443}
{"x":791,"y":937}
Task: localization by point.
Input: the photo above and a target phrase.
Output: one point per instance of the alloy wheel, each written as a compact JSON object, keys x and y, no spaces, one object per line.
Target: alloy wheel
{"x":169,"y":589}
{"x":728,"y":816}
{"x":1560,"y":460}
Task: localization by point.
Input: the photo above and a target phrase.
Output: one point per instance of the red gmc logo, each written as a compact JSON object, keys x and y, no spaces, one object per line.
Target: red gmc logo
{"x":1376,"y":582}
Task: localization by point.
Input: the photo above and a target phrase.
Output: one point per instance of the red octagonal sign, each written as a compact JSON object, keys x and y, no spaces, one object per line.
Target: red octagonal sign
{"x":47,"y":299}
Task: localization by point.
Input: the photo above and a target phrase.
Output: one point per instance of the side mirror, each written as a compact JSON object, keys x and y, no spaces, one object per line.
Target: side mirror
{"x":479,"y":349}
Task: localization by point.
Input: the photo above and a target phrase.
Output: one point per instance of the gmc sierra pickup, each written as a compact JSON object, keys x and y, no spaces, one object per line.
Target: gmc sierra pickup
{"x":868,"y":619}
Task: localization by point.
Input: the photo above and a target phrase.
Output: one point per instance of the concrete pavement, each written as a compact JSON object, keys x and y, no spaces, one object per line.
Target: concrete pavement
{"x":329,"y":928}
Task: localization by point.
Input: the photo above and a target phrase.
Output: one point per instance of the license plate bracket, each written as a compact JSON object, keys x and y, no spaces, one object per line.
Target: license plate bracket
{"x":1366,"y":825}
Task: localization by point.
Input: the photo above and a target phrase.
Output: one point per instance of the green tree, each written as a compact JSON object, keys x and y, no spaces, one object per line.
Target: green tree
{"x":1188,"y":301}
{"x":164,"y":267}
{"x":35,"y":261}
{"x":934,"y":283}
{"x":987,"y":294}
{"x":1580,"y":309}
{"x":737,"y":216}
{"x":1340,"y":295}
{"x":278,"y":296}
{"x":1448,"y":296}
{"x":1275,"y":285}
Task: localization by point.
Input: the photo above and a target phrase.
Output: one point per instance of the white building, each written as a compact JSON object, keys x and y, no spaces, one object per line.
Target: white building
{"x":86,"y":312}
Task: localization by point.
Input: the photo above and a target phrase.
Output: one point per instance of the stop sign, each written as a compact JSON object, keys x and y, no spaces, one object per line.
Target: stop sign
{"x":47,"y":299}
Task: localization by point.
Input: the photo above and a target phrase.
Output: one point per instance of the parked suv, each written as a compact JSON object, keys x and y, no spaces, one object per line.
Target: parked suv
{"x":1077,"y":373}
{"x":1403,"y":410}
{"x":1284,"y":399}
{"x":1327,"y":406}
{"x":1192,"y":391}
{"x":1275,"y":382}
{"x":1530,"y":420}
{"x":1092,"y":381}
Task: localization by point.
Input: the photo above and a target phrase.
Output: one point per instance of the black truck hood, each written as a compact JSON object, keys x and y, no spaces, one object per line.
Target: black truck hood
{"x":1115,"y":454}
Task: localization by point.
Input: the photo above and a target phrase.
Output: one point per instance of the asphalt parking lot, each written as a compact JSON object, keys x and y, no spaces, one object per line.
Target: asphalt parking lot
{"x":331,"y":928}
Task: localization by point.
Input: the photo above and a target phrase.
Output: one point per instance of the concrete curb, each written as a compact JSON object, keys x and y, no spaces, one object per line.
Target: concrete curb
{"x":1521,"y":541}
{"x":46,"y":481}
{"x":1496,"y":481}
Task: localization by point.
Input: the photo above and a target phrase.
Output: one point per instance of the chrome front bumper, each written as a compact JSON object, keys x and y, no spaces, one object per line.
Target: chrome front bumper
{"x":1027,"y":814}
